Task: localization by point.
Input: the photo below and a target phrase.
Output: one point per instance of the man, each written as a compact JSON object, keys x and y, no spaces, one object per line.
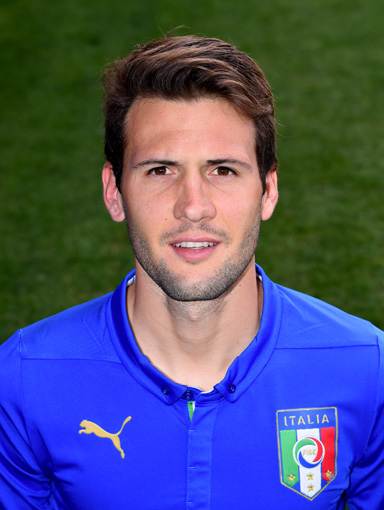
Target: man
{"x":198,"y":383}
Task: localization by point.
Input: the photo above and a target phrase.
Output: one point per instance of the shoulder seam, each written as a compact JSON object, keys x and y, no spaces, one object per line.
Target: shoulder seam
{"x":23,"y":404}
{"x":377,"y":401}
{"x":317,"y":348}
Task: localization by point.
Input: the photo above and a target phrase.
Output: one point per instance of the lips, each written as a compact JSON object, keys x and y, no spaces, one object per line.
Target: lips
{"x":194,"y":250}
{"x":194,"y":245}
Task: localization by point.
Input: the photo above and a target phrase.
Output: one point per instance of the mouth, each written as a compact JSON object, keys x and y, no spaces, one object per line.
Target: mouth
{"x":194,"y":250}
{"x":194,"y":245}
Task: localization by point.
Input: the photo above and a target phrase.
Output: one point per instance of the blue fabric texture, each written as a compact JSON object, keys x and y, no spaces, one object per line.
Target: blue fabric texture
{"x":87,"y":423}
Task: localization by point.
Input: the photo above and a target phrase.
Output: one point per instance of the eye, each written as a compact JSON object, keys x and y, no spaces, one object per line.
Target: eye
{"x":160,"y":170}
{"x":223,"y":171}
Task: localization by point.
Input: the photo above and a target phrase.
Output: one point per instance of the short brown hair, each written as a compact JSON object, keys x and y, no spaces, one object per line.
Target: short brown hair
{"x":188,"y":68}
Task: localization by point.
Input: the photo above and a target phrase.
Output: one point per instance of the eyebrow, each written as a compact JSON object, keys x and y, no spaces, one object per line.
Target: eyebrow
{"x":167,"y":162}
{"x":229,"y":161}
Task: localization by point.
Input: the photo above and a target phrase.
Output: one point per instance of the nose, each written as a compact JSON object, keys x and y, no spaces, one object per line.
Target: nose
{"x":193,"y":201}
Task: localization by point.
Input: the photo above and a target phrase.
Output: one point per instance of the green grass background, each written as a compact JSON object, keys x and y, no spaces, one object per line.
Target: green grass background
{"x":324,"y":60}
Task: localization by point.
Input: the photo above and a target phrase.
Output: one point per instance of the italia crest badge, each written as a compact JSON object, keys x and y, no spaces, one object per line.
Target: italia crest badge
{"x":307,"y":440}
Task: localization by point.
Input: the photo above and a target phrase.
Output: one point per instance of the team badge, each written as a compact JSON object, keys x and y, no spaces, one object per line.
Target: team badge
{"x":307,"y":440}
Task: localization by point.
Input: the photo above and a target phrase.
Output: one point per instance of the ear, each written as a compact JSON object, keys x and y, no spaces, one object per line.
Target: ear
{"x":112,"y":196}
{"x":271,"y":195}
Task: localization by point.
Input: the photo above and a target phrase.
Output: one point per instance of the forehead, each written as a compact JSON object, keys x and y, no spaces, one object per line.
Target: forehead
{"x":208,"y":124}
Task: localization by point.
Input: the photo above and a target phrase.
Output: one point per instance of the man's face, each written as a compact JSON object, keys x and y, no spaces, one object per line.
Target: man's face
{"x":191,"y":195}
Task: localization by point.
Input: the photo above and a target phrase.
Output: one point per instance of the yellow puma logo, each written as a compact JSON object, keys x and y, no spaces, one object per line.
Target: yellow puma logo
{"x":92,"y":428}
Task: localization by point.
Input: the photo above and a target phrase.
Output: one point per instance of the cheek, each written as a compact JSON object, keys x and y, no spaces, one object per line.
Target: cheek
{"x":149,"y":215}
{"x":241,"y":212}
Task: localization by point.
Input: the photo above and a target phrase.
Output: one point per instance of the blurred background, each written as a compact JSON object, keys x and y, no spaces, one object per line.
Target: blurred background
{"x":325,"y":62}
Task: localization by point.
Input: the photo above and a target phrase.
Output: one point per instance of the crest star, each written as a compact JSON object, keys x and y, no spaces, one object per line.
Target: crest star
{"x":291,"y":478}
{"x":310,"y":488}
{"x":329,"y":474}
{"x":310,"y":477}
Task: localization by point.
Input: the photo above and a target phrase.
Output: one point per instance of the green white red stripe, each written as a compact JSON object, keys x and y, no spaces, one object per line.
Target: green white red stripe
{"x":307,"y":447}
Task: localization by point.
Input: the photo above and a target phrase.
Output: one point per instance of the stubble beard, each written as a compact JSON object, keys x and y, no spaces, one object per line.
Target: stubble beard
{"x":177,"y":287}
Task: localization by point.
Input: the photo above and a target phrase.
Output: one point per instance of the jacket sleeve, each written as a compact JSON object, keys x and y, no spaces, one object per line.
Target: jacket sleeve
{"x":23,"y":485}
{"x":366,"y":490}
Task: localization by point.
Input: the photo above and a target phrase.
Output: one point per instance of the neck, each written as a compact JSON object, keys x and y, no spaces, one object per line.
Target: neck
{"x":194,"y":343}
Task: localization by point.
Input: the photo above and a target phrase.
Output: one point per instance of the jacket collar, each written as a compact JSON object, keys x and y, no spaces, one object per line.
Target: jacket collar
{"x":241,"y":373}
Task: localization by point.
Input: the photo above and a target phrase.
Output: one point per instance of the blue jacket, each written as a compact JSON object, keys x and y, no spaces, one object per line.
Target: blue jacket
{"x":87,"y":423}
